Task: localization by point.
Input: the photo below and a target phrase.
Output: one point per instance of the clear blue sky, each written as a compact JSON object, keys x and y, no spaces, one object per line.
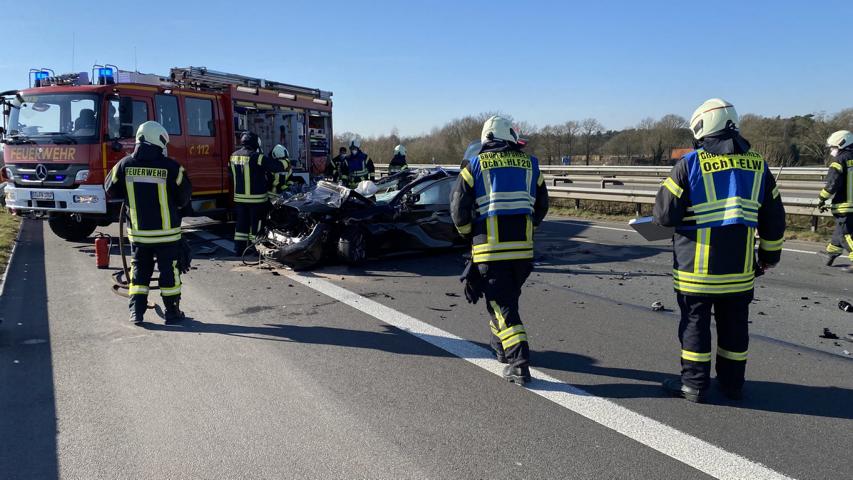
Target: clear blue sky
{"x":416,"y":64}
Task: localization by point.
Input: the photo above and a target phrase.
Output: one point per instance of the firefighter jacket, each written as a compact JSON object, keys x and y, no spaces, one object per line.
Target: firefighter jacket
{"x":280,"y":181}
{"x":397,"y":164}
{"x":717,"y":201}
{"x":359,"y":167}
{"x":336,"y":168}
{"x":155,"y":188}
{"x":497,"y":200}
{"x":251,"y":172}
{"x":839,"y":183}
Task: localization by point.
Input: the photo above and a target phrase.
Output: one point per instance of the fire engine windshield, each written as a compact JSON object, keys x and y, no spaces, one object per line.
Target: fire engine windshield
{"x":60,"y":118}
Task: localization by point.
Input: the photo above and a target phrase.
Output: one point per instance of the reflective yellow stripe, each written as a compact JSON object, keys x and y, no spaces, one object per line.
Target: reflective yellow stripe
{"x":833,"y":249}
{"x":710,"y":190}
{"x":466,"y":175}
{"x":529,"y":232}
{"x":486,"y":247}
{"x":703,"y":249}
{"x":842,"y":208}
{"x":673,"y":187}
{"x":180,"y":176}
{"x":137,"y":290}
{"x":736,"y":356}
{"x":152,"y":240}
{"x":492,"y":230}
{"x":849,"y":184}
{"x":837,"y":166}
{"x":696,"y":356}
{"x":712,"y":278}
{"x":153,"y":233}
{"x":750,"y":250}
{"x":513,"y":341}
{"x":464,"y":229}
{"x":757,"y":180}
{"x":824,"y":193}
{"x":747,"y":215}
{"x":541,"y":180}
{"x":499,"y":315}
{"x":771,"y":245}
{"x":706,"y":207}
{"x":177,"y":273}
{"x":705,"y":289}
{"x":131,"y":204}
{"x":506,"y":333}
{"x":164,"y":206}
{"x":114,"y":173}
{"x":499,"y":256}
{"x":170,"y":292}
{"x":849,"y":240}
{"x":775,"y":192}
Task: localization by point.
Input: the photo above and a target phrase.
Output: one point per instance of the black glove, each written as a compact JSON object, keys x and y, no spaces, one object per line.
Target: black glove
{"x":473,"y":282}
{"x":185,"y":256}
{"x":821,"y":205}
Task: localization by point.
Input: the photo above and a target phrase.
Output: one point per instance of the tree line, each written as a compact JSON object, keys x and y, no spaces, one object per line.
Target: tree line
{"x":791,"y":141}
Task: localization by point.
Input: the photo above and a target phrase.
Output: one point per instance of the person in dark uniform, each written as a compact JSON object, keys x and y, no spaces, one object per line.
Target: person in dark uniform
{"x":250,"y":172}
{"x":359,"y":165}
{"x":839,"y":181}
{"x":718,"y":197}
{"x":156,"y":189}
{"x":398,"y":163}
{"x":499,"y":197}
{"x":336,"y":169}
{"x":280,"y":181}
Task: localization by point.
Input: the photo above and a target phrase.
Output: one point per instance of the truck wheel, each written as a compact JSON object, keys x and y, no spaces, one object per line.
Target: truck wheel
{"x":68,"y":227}
{"x":352,"y":246}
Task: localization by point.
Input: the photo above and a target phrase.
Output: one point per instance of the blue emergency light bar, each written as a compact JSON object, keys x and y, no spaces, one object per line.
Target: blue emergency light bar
{"x":105,"y":72}
{"x":41,"y":75}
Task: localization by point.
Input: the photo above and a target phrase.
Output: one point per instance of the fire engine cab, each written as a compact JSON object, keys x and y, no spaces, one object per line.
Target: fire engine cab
{"x":64,"y":133}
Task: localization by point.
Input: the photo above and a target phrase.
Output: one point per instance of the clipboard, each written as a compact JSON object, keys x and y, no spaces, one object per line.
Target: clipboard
{"x":650,"y":230}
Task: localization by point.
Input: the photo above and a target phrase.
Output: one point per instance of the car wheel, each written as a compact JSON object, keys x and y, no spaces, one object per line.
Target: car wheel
{"x":352,"y":246}
{"x":71,"y":227}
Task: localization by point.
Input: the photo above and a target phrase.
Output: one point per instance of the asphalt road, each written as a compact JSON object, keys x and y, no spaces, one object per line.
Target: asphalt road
{"x":379,"y":372}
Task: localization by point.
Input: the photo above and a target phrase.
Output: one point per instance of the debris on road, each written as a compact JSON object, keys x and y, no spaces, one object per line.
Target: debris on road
{"x":845,"y":305}
{"x":846,"y":352}
{"x":657,"y":306}
{"x":451,"y":294}
{"x":827,"y":333}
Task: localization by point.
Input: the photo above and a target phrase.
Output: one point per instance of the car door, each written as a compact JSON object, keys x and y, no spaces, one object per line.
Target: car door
{"x":426,"y":215}
{"x":203,"y":149}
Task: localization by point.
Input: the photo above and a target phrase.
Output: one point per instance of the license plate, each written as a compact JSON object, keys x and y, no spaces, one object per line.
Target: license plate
{"x":41,"y":195}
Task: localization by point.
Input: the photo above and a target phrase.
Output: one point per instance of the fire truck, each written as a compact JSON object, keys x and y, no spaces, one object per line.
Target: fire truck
{"x":65,"y":132}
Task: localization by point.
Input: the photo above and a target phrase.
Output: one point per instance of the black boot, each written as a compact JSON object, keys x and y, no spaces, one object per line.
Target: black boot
{"x":173,"y":311}
{"x":829,"y":258}
{"x":675,"y":388}
{"x":518,"y":375}
{"x":138,"y":305}
{"x":732,"y":393}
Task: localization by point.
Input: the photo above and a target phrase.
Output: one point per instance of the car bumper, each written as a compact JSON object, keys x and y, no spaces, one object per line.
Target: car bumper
{"x":84,"y":199}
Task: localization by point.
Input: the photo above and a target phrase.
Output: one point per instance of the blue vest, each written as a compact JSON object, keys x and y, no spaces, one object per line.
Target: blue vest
{"x":504,"y":183}
{"x":724,"y":189}
{"x":357,"y":165}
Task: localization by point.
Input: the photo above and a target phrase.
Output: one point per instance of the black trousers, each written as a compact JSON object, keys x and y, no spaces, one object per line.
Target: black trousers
{"x":731,"y":314}
{"x":165,"y":256}
{"x":841,"y":236}
{"x":249,"y":219}
{"x":502,"y":282}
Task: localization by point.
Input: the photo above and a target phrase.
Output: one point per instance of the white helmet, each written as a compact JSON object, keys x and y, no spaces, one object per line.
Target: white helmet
{"x":713,"y":116}
{"x":498,"y":128}
{"x":152,"y":133}
{"x":366,"y":188}
{"x":841,"y":139}
{"x":355,"y":143}
{"x":400,"y":150}
{"x":279,"y":152}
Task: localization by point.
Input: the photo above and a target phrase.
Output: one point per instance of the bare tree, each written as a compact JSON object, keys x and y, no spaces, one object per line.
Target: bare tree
{"x":589,"y":127}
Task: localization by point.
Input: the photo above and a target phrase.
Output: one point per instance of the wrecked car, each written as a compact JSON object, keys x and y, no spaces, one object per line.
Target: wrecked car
{"x":408,"y":211}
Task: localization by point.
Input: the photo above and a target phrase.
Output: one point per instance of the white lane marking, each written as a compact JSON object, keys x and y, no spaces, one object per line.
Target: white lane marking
{"x":601,"y":227}
{"x":685,"y":448}
{"x":226,"y":244}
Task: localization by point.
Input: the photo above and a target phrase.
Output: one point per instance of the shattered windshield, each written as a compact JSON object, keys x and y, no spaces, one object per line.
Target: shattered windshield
{"x":56,"y":118}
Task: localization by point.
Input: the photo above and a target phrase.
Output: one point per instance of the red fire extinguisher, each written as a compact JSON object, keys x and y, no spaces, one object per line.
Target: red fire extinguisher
{"x":103,"y":243}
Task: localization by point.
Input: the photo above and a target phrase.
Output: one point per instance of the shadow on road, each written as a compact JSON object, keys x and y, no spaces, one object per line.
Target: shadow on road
{"x":27,"y":400}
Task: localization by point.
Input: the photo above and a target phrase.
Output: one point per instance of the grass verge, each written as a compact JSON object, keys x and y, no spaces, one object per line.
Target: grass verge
{"x":9,"y":225}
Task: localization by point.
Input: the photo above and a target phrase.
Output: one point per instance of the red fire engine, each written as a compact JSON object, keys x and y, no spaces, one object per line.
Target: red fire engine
{"x":64,"y":133}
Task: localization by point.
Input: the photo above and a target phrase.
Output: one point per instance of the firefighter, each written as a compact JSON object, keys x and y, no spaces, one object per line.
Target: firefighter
{"x":336,"y":169}
{"x":155,"y":188}
{"x":359,"y":165}
{"x":838,"y":180}
{"x":280,"y":181}
{"x":498,"y":199}
{"x":717,"y":197}
{"x":398,"y":163}
{"x":250,"y":171}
